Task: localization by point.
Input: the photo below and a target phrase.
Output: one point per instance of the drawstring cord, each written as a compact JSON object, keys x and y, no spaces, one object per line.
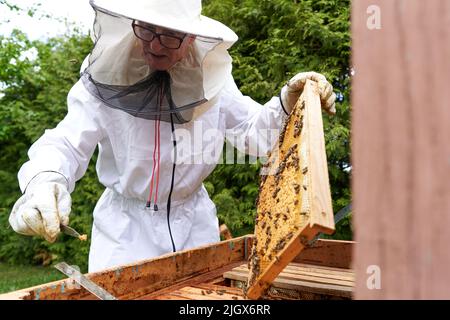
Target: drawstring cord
{"x":156,"y":159}
{"x":158,"y":122}
{"x":157,"y":154}
{"x":172,"y":181}
{"x":149,"y":201}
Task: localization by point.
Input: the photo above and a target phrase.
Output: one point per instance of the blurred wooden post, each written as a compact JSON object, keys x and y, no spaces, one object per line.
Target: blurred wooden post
{"x":401,"y":148}
{"x":225,"y":232}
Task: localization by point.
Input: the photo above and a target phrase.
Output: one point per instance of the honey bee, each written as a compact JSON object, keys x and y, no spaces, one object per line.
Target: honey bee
{"x":298,"y":125}
{"x":274,"y":194}
{"x":266,"y":245}
{"x":268,"y":231}
{"x":282,"y":134}
{"x":220,"y":292}
{"x":280,"y":245}
{"x":304,"y":240}
{"x":289,"y":236}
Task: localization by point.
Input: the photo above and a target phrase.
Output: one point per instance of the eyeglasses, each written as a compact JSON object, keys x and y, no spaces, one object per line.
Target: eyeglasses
{"x":148,"y":34}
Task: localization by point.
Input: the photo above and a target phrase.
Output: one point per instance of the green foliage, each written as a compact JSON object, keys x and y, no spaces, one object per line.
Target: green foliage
{"x":10,"y":6}
{"x":277,"y":39}
{"x":235,"y":192}
{"x":18,"y":277}
{"x":35,"y":78}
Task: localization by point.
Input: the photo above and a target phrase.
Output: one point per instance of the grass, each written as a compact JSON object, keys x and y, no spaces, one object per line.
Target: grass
{"x":14,"y":277}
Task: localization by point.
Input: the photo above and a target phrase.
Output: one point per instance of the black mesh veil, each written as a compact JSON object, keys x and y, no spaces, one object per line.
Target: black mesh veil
{"x":119,"y":75}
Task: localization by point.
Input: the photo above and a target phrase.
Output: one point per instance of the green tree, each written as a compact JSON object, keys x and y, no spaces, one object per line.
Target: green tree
{"x":35,"y":78}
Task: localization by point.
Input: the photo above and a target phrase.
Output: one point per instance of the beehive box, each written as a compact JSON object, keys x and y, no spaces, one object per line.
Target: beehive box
{"x":201,"y":274}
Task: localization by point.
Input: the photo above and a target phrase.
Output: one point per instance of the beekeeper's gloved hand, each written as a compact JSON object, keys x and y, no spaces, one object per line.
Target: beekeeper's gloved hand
{"x":293,"y":89}
{"x":44,"y":205}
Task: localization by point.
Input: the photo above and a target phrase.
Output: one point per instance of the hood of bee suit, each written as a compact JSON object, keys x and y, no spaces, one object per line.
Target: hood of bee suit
{"x":117,"y":72}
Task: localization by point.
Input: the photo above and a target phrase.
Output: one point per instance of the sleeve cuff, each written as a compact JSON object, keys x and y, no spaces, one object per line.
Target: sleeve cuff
{"x":47,"y":176}
{"x":281,"y":103}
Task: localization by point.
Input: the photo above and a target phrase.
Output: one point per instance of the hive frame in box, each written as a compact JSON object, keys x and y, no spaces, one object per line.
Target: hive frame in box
{"x":300,"y":152}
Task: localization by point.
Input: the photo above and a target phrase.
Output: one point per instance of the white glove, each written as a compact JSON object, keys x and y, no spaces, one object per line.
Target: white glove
{"x":293,"y":89}
{"x":44,"y":205}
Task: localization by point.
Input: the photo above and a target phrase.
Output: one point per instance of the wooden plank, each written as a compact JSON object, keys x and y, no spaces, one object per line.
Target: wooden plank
{"x":193,"y":293}
{"x":294,"y":276}
{"x":216,"y":294}
{"x":175,"y":296}
{"x":290,"y":276}
{"x":330,"y":253}
{"x":316,"y":269}
{"x":322,"y":276}
{"x":172,"y":297}
{"x":321,"y":269}
{"x":321,"y":207}
{"x":219,"y":280}
{"x":306,"y":286}
{"x":198,"y":279}
{"x":294,"y":199}
{"x":401,"y":149}
{"x":186,"y":294}
{"x":228,"y":290}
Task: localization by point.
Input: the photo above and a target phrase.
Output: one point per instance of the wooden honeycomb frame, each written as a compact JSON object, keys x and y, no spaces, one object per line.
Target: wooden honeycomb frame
{"x":294,"y":203}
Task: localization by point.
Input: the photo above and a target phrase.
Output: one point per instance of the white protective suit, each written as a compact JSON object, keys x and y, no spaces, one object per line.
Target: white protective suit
{"x":124,"y":231}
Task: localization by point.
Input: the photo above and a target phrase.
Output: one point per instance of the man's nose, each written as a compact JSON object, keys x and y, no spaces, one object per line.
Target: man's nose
{"x":155,"y":45}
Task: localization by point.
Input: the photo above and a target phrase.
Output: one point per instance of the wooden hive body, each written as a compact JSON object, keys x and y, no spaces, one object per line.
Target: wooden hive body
{"x":201,"y":273}
{"x":294,"y":203}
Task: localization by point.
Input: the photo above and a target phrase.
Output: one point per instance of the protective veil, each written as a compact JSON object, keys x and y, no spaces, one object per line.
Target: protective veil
{"x":119,"y":75}
{"x":152,"y":205}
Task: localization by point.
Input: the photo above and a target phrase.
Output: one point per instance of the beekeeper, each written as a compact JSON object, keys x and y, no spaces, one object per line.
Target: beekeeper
{"x":157,"y":67}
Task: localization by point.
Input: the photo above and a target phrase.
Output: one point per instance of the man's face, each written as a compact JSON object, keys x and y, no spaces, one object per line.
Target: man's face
{"x":165,"y":49}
